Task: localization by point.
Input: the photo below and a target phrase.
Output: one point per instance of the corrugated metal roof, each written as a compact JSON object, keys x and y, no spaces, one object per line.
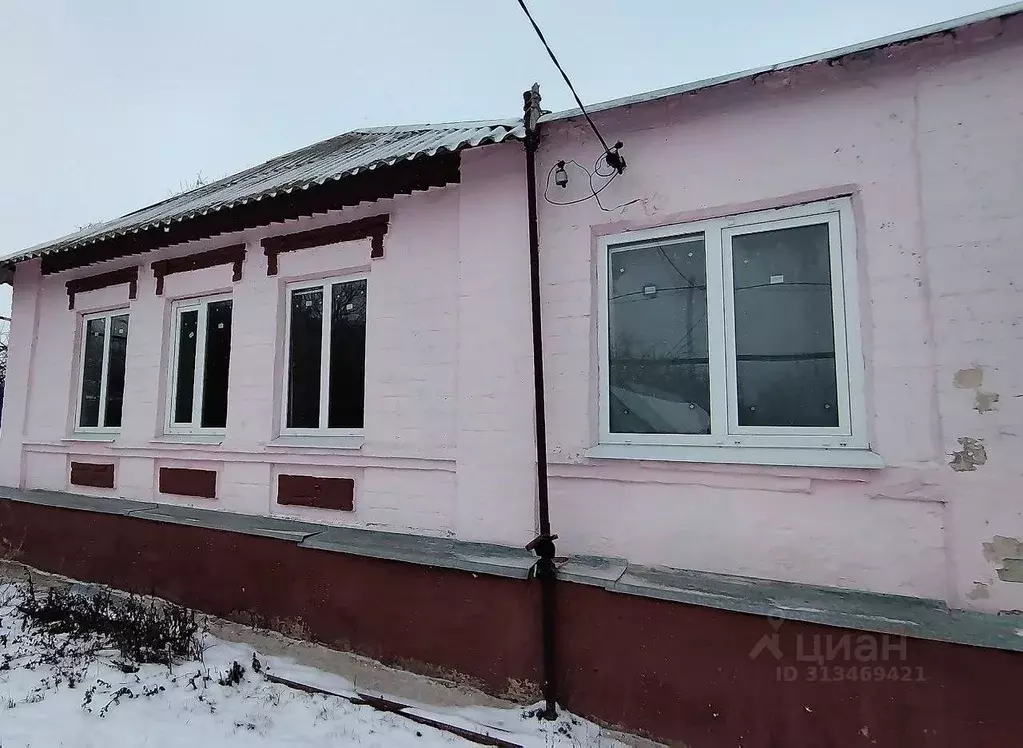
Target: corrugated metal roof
{"x":370,"y":148}
{"x":332,"y":159}
{"x":873,"y":45}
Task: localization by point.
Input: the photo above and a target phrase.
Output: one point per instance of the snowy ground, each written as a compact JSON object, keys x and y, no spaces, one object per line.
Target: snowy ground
{"x":186,"y":705}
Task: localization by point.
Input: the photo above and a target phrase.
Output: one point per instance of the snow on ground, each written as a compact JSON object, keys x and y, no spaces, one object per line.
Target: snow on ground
{"x":186,"y":705}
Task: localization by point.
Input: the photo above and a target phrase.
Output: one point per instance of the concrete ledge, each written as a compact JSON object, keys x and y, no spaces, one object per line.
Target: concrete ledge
{"x":851,"y":609}
{"x":481,"y":558}
{"x":100,"y":504}
{"x":829,"y":606}
{"x":246,"y":524}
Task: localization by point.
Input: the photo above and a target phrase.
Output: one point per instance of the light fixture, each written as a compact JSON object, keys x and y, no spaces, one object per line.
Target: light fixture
{"x":560,"y":175}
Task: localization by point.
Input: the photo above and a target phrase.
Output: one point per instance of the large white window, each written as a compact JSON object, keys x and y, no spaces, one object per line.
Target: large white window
{"x":733,"y":332}
{"x":326,"y":355}
{"x":199,"y":365}
{"x":101,"y":378}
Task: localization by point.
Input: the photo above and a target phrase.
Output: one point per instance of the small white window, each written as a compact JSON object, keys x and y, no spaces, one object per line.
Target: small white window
{"x":326,"y":353}
{"x":199,"y":365}
{"x":101,"y":378}
{"x":741,"y":331}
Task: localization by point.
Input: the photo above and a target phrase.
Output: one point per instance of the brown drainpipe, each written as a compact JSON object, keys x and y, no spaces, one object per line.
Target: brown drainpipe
{"x":542,"y":544}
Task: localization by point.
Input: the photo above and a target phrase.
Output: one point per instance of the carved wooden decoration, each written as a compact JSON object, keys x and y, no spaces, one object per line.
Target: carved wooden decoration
{"x":373,"y":228}
{"x":103,"y":280}
{"x":232,"y":255}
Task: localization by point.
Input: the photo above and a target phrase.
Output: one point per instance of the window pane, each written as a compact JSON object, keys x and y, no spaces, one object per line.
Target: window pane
{"x":184,"y":379}
{"x":218,"y":357}
{"x":304,"y":355}
{"x":92,"y":371}
{"x":347,"y":355}
{"x":658,"y":370}
{"x":784,"y":333}
{"x":115,"y":370}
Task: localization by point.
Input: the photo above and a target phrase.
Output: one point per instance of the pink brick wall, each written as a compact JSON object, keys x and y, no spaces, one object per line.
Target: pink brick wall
{"x":405,"y":471}
{"x":926,"y":138}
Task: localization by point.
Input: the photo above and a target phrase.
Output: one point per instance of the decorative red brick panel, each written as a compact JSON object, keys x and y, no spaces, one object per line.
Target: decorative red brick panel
{"x":189,"y":482}
{"x":322,"y":493}
{"x":96,"y":475}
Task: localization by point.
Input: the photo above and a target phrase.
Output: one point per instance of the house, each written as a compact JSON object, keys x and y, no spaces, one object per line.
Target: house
{"x":783,"y":373}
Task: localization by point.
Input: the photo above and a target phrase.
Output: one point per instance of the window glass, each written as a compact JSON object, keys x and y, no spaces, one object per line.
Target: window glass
{"x":92,"y":371}
{"x":217,"y":360}
{"x":347,"y":355}
{"x":734,"y":331}
{"x":784,"y":328}
{"x":659,"y":378}
{"x":188,"y":330}
{"x":116,"y":361}
{"x":304,"y":358}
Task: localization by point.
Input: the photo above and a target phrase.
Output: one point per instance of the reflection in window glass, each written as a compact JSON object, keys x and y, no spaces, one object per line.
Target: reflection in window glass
{"x":184,"y":380}
{"x":92,"y":371}
{"x":347,"y":355}
{"x":659,"y":378}
{"x":216,"y":364}
{"x":784,"y":330}
{"x":116,"y":361}
{"x":304,"y":356}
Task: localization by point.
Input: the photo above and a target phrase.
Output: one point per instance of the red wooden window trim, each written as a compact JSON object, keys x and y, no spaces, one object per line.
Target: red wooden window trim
{"x":373,"y":228}
{"x":189,"y":482}
{"x":231,"y":255}
{"x":103,"y":280}
{"x":322,"y":493}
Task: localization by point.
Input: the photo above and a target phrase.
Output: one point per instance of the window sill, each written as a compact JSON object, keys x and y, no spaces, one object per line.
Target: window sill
{"x":317,"y":442}
{"x":87,"y":436}
{"x":778,"y":456}
{"x":189,"y":439}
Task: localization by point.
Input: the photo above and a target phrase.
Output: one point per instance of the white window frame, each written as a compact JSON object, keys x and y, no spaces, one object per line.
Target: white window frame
{"x":725,"y":432}
{"x":179,"y":306}
{"x":86,"y":318}
{"x":325,"y":287}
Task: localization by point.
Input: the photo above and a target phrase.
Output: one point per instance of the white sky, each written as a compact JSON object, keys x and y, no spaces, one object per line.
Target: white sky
{"x":110,"y":106}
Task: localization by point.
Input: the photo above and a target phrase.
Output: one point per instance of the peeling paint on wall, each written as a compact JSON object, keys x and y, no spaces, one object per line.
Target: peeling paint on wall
{"x":970,"y":456}
{"x":979,"y":592}
{"x":1009,"y":553}
{"x":972,"y":379}
{"x":1001,"y":548}
{"x":985,"y":401}
{"x":969,"y":379}
{"x":1011,"y":571}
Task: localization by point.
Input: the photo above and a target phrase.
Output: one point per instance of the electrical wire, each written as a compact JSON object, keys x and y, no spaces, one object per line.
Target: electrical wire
{"x":627,"y":294}
{"x":593,"y":193}
{"x":564,"y":75}
{"x":596,"y":169}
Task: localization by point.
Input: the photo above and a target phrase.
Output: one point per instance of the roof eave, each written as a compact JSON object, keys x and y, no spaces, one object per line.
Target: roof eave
{"x":856,"y":49}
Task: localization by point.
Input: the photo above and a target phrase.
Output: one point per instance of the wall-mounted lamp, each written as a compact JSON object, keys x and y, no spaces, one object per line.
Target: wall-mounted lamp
{"x":560,"y":175}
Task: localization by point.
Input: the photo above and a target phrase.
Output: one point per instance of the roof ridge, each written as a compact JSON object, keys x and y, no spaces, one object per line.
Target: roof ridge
{"x":497,"y":122}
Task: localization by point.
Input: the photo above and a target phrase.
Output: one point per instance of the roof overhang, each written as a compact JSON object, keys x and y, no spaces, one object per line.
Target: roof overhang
{"x":401,"y":178}
{"x":357,"y":167}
